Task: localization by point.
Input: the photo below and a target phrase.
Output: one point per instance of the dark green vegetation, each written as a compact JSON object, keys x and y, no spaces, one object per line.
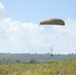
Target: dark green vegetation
{"x":7,"y":57}
{"x":37,"y":64}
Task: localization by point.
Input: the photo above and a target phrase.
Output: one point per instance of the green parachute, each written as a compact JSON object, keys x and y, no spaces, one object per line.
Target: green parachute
{"x":52,"y":21}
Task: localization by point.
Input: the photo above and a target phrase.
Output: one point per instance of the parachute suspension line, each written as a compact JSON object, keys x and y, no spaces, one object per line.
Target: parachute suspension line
{"x":51,"y":44}
{"x":52,"y":21}
{"x":52,"y":48}
{"x":51,"y":52}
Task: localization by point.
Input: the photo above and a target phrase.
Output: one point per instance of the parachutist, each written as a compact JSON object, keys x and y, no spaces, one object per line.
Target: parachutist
{"x":51,"y":55}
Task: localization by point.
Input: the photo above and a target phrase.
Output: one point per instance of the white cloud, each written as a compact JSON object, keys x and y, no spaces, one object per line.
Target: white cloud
{"x":1,"y":10}
{"x":19,"y":37}
{"x":67,"y":36}
{"x":26,"y":37}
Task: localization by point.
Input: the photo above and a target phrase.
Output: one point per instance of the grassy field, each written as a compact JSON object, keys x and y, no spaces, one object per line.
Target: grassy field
{"x":66,"y":67}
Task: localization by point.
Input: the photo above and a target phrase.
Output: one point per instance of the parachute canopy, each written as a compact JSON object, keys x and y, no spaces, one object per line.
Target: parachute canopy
{"x":52,"y":21}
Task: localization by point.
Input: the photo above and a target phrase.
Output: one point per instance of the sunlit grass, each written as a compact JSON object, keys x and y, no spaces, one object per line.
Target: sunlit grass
{"x":67,"y":67}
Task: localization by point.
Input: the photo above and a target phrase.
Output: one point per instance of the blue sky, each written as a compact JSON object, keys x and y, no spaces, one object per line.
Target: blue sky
{"x":20,"y":31}
{"x":35,"y":10}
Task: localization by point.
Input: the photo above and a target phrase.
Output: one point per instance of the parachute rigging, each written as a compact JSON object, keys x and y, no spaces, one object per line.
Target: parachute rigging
{"x":52,"y":21}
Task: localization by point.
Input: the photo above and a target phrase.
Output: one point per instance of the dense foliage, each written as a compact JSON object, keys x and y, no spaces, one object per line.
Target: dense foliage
{"x":26,"y":57}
